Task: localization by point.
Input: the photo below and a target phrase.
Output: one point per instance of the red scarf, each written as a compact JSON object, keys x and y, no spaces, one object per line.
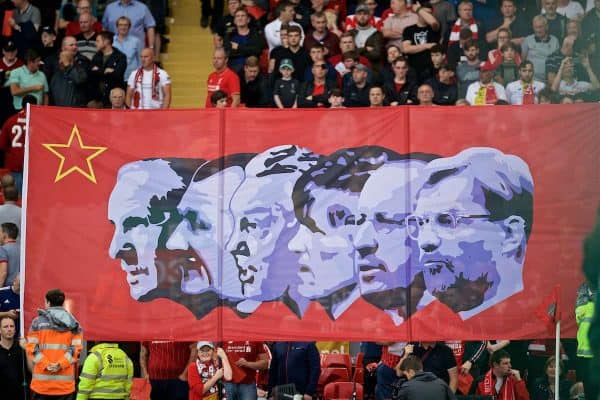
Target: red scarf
{"x":528,"y":93}
{"x":507,"y":391}
{"x":456,"y":28}
{"x":139,"y":76}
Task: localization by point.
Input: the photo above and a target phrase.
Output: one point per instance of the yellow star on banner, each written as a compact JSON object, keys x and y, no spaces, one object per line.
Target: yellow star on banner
{"x":70,"y":148}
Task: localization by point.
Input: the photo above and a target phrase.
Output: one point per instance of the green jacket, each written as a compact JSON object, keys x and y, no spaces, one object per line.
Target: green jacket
{"x":107,"y":373}
{"x":583,"y":315}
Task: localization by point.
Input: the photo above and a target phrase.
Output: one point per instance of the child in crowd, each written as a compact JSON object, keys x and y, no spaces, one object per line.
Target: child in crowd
{"x":205,"y":374}
{"x":336,"y":98}
{"x":508,"y":70}
{"x":285,"y":92}
{"x":218,"y":99}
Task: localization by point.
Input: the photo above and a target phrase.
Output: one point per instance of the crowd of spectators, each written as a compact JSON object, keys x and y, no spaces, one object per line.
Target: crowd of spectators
{"x":440,"y":52}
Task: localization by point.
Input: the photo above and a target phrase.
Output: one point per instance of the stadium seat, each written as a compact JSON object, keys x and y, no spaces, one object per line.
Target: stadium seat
{"x":359,"y":375}
{"x":337,"y":361}
{"x":329,"y":375}
{"x":342,"y":390}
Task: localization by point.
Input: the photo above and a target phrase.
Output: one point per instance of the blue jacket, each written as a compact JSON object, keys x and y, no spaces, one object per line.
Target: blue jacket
{"x":295,"y":362}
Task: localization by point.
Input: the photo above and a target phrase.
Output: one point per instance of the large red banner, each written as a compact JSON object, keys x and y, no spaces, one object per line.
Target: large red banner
{"x":397,"y":223}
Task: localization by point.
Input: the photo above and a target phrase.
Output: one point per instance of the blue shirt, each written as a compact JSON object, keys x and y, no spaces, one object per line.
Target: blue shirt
{"x":24,"y":78}
{"x":9,"y":300}
{"x":131,"y":47}
{"x":137,"y":12}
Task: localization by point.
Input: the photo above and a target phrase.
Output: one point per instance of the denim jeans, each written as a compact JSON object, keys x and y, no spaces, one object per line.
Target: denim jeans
{"x":240,"y":391}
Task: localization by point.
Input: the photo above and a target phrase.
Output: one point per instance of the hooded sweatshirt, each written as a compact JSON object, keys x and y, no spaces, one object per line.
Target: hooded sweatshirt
{"x":425,"y":386}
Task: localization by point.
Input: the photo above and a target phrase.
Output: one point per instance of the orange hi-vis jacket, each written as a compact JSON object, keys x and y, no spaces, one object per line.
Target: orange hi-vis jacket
{"x":54,"y":337}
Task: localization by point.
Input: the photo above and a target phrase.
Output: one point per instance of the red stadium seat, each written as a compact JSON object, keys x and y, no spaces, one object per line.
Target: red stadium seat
{"x":342,"y":390}
{"x":329,"y":375}
{"x":337,"y":361}
{"x":359,"y":375}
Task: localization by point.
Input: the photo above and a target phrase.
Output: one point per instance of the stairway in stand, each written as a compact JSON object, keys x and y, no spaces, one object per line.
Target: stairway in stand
{"x":189,"y":57}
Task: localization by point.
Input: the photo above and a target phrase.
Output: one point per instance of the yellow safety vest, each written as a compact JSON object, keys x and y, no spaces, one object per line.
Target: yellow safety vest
{"x":583,"y":315}
{"x":107,"y":374}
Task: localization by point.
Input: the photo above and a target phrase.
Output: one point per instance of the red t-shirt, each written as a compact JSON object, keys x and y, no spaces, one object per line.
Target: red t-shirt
{"x":167,"y":360}
{"x":73,"y":28}
{"x":4,"y":67}
{"x":12,"y":141}
{"x":227,"y":81}
{"x":247,"y":350}
{"x":389,"y":359}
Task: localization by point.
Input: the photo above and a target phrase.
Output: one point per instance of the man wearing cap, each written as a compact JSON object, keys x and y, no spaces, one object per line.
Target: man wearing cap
{"x":369,"y":41}
{"x":223,"y":78}
{"x":28,"y":79}
{"x":374,"y":21}
{"x":286,"y":89}
{"x":356,"y":89}
{"x":526,"y":89}
{"x":48,"y":37}
{"x":445,"y":90}
{"x":8,"y":63}
{"x":485,"y":91}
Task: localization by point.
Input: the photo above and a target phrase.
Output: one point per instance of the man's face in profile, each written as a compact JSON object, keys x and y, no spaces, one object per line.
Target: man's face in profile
{"x":327,"y":256}
{"x":197,"y":242}
{"x":260,"y":222}
{"x":460,"y":248}
{"x":383,"y":248}
{"x":136,"y":238}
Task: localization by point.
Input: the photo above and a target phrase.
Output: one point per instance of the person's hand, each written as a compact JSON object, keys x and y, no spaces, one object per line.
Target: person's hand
{"x":309,"y":98}
{"x":516,"y":374}
{"x":38,"y":88}
{"x":307,"y":397}
{"x":109,"y":70}
{"x":466,"y":367}
{"x":144,"y":375}
{"x":221,"y":352}
{"x":14,"y":314}
{"x":23,"y":343}
{"x":408,"y":349}
{"x":234,"y":45}
{"x":369,"y":48}
{"x":182,"y":377}
{"x":53,"y":367}
{"x":585,"y":61}
{"x":371,"y":367}
{"x":430,"y":45}
{"x":394,"y":103}
{"x":219,"y":374}
{"x":241,"y":362}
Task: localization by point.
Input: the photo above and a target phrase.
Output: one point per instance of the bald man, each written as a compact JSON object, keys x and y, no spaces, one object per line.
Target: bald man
{"x":148,"y":87}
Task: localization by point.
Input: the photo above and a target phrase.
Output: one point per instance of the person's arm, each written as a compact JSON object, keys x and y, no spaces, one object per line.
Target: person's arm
{"x":453,"y":375}
{"x":585,"y":61}
{"x":150,"y":37}
{"x":314,"y":371}
{"x":521,"y":392}
{"x":128,"y":96}
{"x":143,"y":349}
{"x":45,"y":99}
{"x":524,"y":49}
{"x":88,"y":377}
{"x":479,"y":350}
{"x":499,"y":345}
{"x":212,"y":381}
{"x":77,"y":74}
{"x":17,"y":90}
{"x":166,"y":89}
{"x":195,"y":382}
{"x":409,"y":48}
{"x":427,"y":16}
{"x":3,"y":271}
{"x":193,"y":355}
{"x":227,"y":372}
{"x":277,"y":101}
{"x":492,"y":35}
{"x":390,"y":33}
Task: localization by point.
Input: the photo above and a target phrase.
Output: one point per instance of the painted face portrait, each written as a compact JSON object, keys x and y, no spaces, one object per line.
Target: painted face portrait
{"x":143,"y":210}
{"x":472,"y":221}
{"x":265,"y":222}
{"x":197,"y":243}
{"x":386,"y":257}
{"x":327,"y":254}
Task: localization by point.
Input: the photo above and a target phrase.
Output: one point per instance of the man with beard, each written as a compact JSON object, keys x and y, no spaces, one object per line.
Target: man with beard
{"x":385,"y":254}
{"x":485,"y":91}
{"x":369,"y":41}
{"x":472,"y":222}
{"x":326,"y":205}
{"x":143,"y":209}
{"x":196,"y":246}
{"x":264,"y":222}
{"x":525,"y":90}
{"x":253,"y":86}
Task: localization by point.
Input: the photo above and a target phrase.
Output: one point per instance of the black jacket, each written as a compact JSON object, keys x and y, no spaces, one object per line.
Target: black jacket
{"x":100,"y":83}
{"x":68,"y":87}
{"x":424,"y":386}
{"x":306,"y":90}
{"x":253,"y":46}
{"x":406,"y":93}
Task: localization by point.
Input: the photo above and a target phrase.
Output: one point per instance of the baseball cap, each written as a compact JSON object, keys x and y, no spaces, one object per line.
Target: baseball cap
{"x":49,"y":30}
{"x":286,"y":63}
{"x":487,"y":66}
{"x":202,"y":344}
{"x":9,"y":46}
{"x":362,"y":8}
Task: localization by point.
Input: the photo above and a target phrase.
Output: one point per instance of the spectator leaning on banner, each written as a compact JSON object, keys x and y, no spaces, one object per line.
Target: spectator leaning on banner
{"x":53,"y":345}
{"x":107,"y":374}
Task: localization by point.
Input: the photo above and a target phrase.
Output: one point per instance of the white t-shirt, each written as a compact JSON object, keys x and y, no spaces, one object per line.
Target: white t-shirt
{"x":146,"y":101}
{"x":576,"y":87}
{"x":573,"y":10}
{"x":474,"y":88}
{"x":514,"y":91}
{"x":272,"y":33}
